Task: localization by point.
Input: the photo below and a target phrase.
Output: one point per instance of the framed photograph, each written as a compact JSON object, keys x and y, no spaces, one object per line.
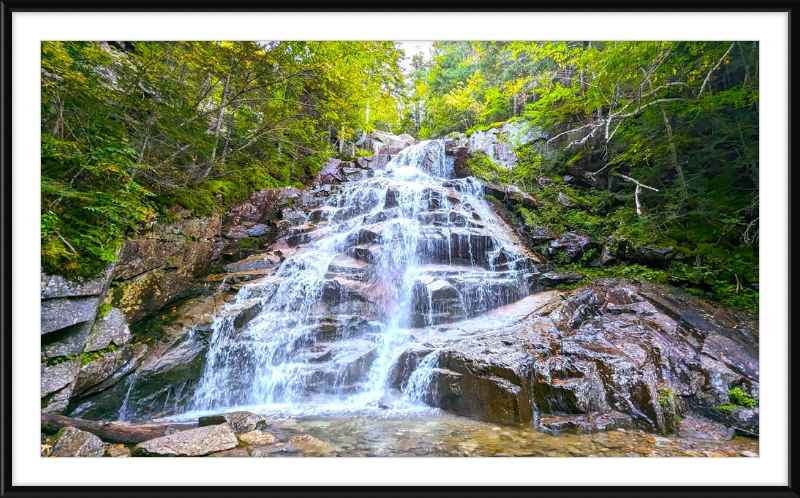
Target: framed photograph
{"x":263,"y":235}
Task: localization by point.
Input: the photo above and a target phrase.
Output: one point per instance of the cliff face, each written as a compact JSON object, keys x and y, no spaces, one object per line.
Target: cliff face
{"x":491,"y":340}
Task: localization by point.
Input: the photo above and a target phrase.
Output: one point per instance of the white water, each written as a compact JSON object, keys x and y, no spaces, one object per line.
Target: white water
{"x":317,"y":347}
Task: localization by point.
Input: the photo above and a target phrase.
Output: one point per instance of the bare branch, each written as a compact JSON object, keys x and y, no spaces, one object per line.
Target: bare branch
{"x":719,"y":62}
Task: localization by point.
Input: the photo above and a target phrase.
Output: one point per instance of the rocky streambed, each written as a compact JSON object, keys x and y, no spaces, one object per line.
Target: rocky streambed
{"x":390,"y":310}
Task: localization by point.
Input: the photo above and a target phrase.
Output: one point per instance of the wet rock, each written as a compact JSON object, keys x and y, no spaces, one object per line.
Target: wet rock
{"x":564,"y":384}
{"x":255,"y":438}
{"x":556,"y":278}
{"x":71,"y":442}
{"x":256,"y":262}
{"x":105,"y":371}
{"x":348,"y":267}
{"x":235,"y":452}
{"x":112,"y":328}
{"x":241,"y":422}
{"x":376,"y":162}
{"x":193,"y":442}
{"x":566,"y":200}
{"x":60,"y":313}
{"x":166,"y":381}
{"x":369,"y":253}
{"x":584,"y":424}
{"x":305,"y":440}
{"x":338,"y":290}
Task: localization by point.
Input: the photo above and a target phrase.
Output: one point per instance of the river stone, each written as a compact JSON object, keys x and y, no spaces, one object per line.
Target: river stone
{"x":255,"y":438}
{"x":71,"y":442}
{"x":305,"y":439}
{"x":240,"y":422}
{"x":63,"y":312}
{"x":110,"y":328}
{"x":117,"y":451}
{"x":193,"y":442}
{"x":235,"y":452}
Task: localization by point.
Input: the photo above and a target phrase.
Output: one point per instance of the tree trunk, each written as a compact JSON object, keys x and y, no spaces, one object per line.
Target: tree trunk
{"x":115,"y":432}
{"x":228,"y":135}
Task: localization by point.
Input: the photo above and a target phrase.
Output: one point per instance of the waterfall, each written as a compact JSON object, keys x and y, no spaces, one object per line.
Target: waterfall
{"x":373,"y":266}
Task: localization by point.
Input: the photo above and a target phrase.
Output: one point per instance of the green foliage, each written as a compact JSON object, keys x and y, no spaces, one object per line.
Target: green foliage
{"x":86,"y":357}
{"x":103,"y":310}
{"x":741,"y":398}
{"x":60,"y":359}
{"x":89,"y":356}
{"x":665,"y":396}
{"x":131,"y":129}
{"x":681,"y":117}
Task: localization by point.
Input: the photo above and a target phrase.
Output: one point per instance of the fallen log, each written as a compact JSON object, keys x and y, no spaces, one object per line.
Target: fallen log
{"x":114,"y":432}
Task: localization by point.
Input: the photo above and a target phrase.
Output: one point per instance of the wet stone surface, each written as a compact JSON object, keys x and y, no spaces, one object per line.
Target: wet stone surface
{"x":434,"y":433}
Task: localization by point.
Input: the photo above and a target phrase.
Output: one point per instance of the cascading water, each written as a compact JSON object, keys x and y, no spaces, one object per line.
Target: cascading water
{"x":375,"y":266}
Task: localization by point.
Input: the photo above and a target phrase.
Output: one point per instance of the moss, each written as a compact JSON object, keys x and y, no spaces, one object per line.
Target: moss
{"x":60,"y":359}
{"x":481,"y":166}
{"x":104,"y":309}
{"x":90,"y":356}
{"x":670,"y":409}
{"x":741,"y":398}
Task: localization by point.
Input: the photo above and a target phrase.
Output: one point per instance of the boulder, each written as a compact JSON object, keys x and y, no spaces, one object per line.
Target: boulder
{"x":240,"y":422}
{"x":193,"y":442}
{"x":255,"y":438}
{"x":570,"y":247}
{"x":330,"y":173}
{"x":71,"y":442}
{"x":376,"y":162}
{"x":394,"y":144}
{"x":536,"y":235}
{"x":111,"y":328}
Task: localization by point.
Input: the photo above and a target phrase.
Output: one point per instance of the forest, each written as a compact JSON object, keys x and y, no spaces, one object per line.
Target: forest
{"x":664,"y":136}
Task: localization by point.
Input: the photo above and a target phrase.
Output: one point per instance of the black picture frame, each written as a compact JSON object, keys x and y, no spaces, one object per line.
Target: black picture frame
{"x":9,"y":7}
